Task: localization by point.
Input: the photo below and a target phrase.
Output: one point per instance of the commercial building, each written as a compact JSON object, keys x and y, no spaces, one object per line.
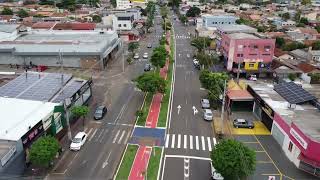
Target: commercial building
{"x":79,"y":49}
{"x":292,"y":115}
{"x":124,"y":4}
{"x":247,"y":52}
{"x":216,"y":20}
{"x":34,"y":104}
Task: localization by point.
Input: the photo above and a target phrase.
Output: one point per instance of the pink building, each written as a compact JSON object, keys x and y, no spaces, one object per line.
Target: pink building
{"x":254,"y":53}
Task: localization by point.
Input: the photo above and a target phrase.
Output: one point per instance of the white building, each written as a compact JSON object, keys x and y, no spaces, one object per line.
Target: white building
{"x":123,"y":21}
{"x":123,"y":4}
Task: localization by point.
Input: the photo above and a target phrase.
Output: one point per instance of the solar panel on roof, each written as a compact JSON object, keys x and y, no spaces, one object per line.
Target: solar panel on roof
{"x":293,"y":93}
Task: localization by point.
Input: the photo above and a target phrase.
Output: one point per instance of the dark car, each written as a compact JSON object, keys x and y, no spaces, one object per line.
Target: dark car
{"x":149,"y":45}
{"x":243,"y":123}
{"x":147,"y":67}
{"x":100,"y":112}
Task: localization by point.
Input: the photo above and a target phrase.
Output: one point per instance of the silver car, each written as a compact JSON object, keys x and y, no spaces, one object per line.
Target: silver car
{"x":205,"y":104}
{"x":207,"y":115}
{"x":136,"y":56}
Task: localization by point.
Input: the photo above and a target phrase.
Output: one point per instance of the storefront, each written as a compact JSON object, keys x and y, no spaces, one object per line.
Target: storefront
{"x":261,"y":109}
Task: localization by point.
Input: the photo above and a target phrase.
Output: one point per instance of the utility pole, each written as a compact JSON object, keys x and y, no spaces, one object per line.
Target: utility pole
{"x":223,"y":104}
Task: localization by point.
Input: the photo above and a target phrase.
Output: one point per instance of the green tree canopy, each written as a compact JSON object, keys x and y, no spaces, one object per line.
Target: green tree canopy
{"x":69,"y":4}
{"x":318,"y":29}
{"x":316,"y":45}
{"x":174,"y":3}
{"x":132,"y":46}
{"x":22,"y":13}
{"x":285,"y":16}
{"x":293,"y":45}
{"x":164,"y":11}
{"x":305,"y":2}
{"x":280,"y":42}
{"x":233,"y":159}
{"x":193,"y":12}
{"x":80,"y":111}
{"x":201,"y":43}
{"x":206,"y":60}
{"x":297,"y":16}
{"x":183,"y":18}
{"x":214,"y":82}
{"x":96,"y":18}
{"x":151,"y":82}
{"x":158,"y":58}
{"x":304,"y":20}
{"x":44,"y":150}
{"x":6,"y":11}
{"x":166,"y":25}
{"x":114,"y":3}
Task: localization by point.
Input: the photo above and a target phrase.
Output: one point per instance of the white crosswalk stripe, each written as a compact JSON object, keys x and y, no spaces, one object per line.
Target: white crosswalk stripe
{"x":199,"y":143}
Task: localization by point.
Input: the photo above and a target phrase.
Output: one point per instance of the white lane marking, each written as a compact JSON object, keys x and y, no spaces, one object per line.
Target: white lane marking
{"x":197,"y":143}
{"x":214,"y":141}
{"x":203,"y":143}
{"x":105,"y":132}
{"x":115,"y":138}
{"x":127,"y":138}
{"x":190,"y":157}
{"x":106,"y":161}
{"x":94,"y":132}
{"x":185,"y":141}
{"x":167,"y":140}
{"x":173,"y":139}
{"x":209,"y":143}
{"x":88,"y":133}
{"x":179,"y":140}
{"x":121,"y":136}
{"x":101,"y":132}
{"x":191,"y":142}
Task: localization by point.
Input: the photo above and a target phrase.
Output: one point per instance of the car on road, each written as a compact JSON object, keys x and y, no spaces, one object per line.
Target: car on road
{"x":196,"y":64}
{"x":78,"y":141}
{"x":207,"y":115}
{"x":147,"y":67}
{"x":252,"y":77}
{"x":243,"y":123}
{"x":205,"y":104}
{"x":145,"y":56}
{"x":149,"y":45}
{"x":136,"y":56}
{"x":100,"y":112}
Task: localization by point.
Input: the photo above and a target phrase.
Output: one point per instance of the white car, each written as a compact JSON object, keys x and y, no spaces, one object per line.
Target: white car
{"x":205,"y":104}
{"x":253,"y":77}
{"x":78,"y":141}
{"x":145,"y":56}
{"x":136,"y":56}
{"x":207,"y":115}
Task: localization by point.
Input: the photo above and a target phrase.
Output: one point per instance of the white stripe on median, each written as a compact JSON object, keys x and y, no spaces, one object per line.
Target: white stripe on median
{"x":179,"y":140}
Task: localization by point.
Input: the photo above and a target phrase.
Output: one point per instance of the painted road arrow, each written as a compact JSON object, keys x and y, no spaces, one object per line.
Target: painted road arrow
{"x":195,"y":111}
{"x":179,"y":107}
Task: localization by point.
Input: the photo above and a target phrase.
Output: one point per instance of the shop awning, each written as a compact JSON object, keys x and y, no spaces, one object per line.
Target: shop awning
{"x":239,"y":95}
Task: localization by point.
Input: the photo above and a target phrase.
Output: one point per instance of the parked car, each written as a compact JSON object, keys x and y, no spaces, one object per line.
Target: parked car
{"x":252,"y":77}
{"x":99,"y":112}
{"x":145,"y":56}
{"x":207,"y":115}
{"x":78,"y":141}
{"x":136,"y":56}
{"x":196,"y":64}
{"x":149,"y":45}
{"x":205,"y":104}
{"x":243,"y":123}
{"x":147,"y":67}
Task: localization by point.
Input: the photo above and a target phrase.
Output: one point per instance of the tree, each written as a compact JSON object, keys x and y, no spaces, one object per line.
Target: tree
{"x":285,"y":16}
{"x":297,"y":16}
{"x":316,"y":45}
{"x":280,"y":42}
{"x":96,"y":18}
{"x":292,"y":76}
{"x":193,"y":12}
{"x":151,"y":82}
{"x":318,"y":29}
{"x":214,"y":82}
{"x":206,"y":60}
{"x":164,"y":12}
{"x":174,"y":3}
{"x":305,"y":2}
{"x":183,"y":19}
{"x":158,"y":58}
{"x":201,"y":43}
{"x":304,"y":20}
{"x":43,"y":151}
{"x":114,"y":3}
{"x":233,"y":159}
{"x":6,"y":11}
{"x":80,"y":112}
{"x":22,"y":13}
{"x":69,"y":4}
{"x":132,"y":46}
{"x":293,"y":45}
{"x":166,"y":25}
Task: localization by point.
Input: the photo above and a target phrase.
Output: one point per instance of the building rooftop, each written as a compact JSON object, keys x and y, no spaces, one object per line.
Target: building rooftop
{"x":68,"y":42}
{"x":18,"y":115}
{"x":242,"y":36}
{"x":8,"y":28}
{"x":305,"y":116}
{"x":235,"y":28}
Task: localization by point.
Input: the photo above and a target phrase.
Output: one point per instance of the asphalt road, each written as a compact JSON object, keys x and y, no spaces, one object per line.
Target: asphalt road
{"x":106,"y":141}
{"x":189,"y":136}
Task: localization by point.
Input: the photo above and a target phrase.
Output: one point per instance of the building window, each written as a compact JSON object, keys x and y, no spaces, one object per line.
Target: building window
{"x":267,"y":48}
{"x":125,"y":25}
{"x":252,"y":54}
{"x":239,"y":55}
{"x":265,"y":54}
{"x":290,"y":146}
{"x":240,"y":47}
{"x":255,"y":46}
{"x":119,"y":25}
{"x":251,"y":65}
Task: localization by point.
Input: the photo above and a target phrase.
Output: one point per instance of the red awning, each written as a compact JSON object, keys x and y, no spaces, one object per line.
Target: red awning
{"x":305,"y":159}
{"x":239,"y":95}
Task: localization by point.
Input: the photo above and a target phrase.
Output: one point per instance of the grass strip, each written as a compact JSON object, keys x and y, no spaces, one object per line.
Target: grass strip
{"x":162,"y":121}
{"x":154,"y":162}
{"x":145,"y":110}
{"x":127,"y":162}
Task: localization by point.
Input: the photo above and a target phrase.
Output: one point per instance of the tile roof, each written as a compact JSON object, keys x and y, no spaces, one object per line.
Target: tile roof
{"x":305,"y":67}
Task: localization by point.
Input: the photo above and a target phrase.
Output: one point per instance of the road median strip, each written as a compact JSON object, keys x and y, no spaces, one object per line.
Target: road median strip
{"x":127,"y":161}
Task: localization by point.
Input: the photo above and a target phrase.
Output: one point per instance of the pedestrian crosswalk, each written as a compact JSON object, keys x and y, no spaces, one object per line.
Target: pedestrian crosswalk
{"x":201,"y":143}
{"x":100,"y":135}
